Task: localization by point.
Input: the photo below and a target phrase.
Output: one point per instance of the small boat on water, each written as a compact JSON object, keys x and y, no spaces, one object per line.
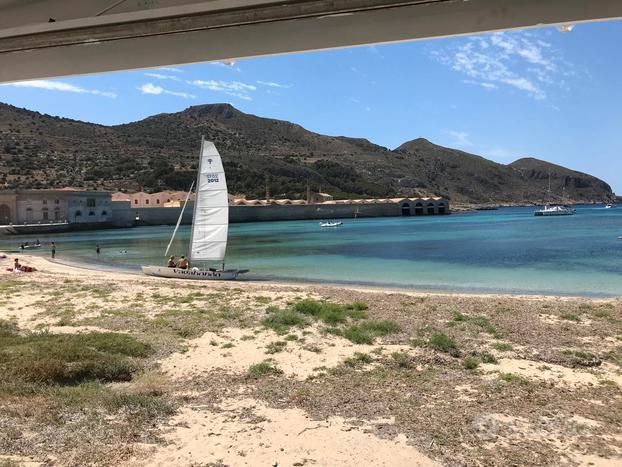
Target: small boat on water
{"x":330,"y":224}
{"x":609,"y":206}
{"x":33,"y":246}
{"x":549,"y":210}
{"x":210,"y":223}
{"x":554,"y":209}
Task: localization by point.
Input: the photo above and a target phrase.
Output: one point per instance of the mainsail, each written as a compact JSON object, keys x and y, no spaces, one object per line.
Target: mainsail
{"x":210,"y":222}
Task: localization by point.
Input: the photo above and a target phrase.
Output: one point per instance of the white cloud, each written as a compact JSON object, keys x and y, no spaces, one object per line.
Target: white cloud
{"x":518,"y":60}
{"x":60,"y":86}
{"x":161,"y":76}
{"x":149,"y":88}
{"x":231,"y":88}
{"x":461,"y":138}
{"x":272,"y":84}
{"x":173,"y":69}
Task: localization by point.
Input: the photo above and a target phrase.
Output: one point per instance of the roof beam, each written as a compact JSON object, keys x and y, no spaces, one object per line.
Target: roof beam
{"x":218,"y":30}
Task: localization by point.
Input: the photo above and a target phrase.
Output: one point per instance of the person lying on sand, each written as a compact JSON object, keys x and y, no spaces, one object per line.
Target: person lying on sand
{"x":17,"y":267}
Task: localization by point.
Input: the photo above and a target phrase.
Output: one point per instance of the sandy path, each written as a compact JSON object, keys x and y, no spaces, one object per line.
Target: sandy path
{"x":248,"y":433}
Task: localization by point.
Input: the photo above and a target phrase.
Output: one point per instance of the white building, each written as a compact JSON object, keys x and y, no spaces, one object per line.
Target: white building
{"x":54,"y":206}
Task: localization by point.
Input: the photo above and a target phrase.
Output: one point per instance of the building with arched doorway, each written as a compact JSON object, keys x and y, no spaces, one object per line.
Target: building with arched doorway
{"x":67,"y":205}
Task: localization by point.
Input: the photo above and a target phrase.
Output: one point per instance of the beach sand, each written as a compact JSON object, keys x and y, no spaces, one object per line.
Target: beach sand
{"x":394,"y":379}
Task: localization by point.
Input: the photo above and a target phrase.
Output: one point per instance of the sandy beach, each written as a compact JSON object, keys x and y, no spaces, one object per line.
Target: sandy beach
{"x":247,"y":373}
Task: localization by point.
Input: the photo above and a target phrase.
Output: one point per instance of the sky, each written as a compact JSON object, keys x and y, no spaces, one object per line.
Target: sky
{"x":533,"y":93}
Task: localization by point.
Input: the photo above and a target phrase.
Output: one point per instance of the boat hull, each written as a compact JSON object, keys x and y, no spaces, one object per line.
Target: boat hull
{"x":193,"y":273}
{"x":552,"y":214}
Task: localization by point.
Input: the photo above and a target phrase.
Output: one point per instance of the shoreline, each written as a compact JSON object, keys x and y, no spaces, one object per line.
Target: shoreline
{"x":106,"y":270}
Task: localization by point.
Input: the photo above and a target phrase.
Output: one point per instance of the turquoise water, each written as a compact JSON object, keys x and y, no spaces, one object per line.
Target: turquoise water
{"x":508,"y":250}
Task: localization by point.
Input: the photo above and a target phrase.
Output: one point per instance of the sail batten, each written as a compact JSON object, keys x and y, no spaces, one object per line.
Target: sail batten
{"x":210,"y":223}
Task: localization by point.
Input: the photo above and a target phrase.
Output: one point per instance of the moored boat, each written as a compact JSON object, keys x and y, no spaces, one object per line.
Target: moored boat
{"x":210,"y":223}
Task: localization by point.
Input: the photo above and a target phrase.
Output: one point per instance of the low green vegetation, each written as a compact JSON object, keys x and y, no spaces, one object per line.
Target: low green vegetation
{"x":331,"y":313}
{"x":59,"y":383}
{"x":265,"y":368}
{"x":513,"y":378}
{"x":359,"y":358}
{"x":437,"y":340}
{"x":502,"y":346}
{"x":349,"y":321}
{"x":488,"y":358}
{"x":69,"y":358}
{"x":401,"y":359}
{"x":275,"y":347}
{"x":281,"y":321}
{"x":479,"y":321}
{"x":470,"y":363}
{"x":570,"y":317}
{"x":366,"y":331}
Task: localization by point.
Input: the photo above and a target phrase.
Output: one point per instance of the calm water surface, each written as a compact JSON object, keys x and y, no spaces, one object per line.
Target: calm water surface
{"x":508,"y":250}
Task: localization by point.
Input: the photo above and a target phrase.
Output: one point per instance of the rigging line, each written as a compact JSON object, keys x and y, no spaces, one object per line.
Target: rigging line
{"x":181,"y":214}
{"x":115,"y":4}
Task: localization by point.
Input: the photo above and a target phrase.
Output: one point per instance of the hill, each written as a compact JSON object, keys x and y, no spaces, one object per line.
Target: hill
{"x":160,"y":152}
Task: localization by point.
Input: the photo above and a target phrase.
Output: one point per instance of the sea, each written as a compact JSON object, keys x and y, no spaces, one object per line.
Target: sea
{"x":503,"y":251}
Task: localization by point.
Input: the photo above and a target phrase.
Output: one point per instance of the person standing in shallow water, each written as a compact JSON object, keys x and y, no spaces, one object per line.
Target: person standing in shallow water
{"x":53,"y":250}
{"x":98,"y":250}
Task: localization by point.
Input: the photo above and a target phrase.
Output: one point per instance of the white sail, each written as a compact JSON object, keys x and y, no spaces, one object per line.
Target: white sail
{"x":208,"y":240}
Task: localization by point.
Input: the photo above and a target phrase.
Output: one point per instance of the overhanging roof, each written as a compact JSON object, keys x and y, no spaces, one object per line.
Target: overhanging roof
{"x":51,"y":38}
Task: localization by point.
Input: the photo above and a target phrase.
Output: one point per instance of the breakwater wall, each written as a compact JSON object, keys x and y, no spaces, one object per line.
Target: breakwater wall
{"x":125,"y":216}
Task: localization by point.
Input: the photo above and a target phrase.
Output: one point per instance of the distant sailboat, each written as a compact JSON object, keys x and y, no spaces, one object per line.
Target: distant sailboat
{"x":554,"y":210}
{"x":210,"y":223}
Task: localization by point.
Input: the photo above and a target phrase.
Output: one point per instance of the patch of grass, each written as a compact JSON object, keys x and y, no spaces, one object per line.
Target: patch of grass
{"x":488,"y":358}
{"x":265,"y":368}
{"x":312,"y":348}
{"x":8,"y":328}
{"x":443,"y":343}
{"x":227,"y":345}
{"x":570,"y":317}
{"x":459,"y":317}
{"x":280,"y":321}
{"x":291,"y":337}
{"x":275,"y":347}
{"x":263,"y":300}
{"x":513,"y":378}
{"x":70,"y":358}
{"x":470,"y":363}
{"x":608,"y":382}
{"x":248,"y":337}
{"x":365,"y":332}
{"x":401,"y":359}
{"x":502,"y":346}
{"x":331,"y":313}
{"x":485,"y":324}
{"x":602,"y":313}
{"x":357,"y":359}
{"x":581,"y":358}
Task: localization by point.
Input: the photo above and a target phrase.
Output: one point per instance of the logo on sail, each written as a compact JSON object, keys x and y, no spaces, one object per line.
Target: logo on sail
{"x":211,"y":177}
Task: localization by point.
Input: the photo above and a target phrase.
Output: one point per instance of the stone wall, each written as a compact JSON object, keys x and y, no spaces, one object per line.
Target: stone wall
{"x":125,"y":215}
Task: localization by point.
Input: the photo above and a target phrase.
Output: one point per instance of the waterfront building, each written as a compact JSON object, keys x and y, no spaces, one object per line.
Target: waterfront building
{"x":67,"y":205}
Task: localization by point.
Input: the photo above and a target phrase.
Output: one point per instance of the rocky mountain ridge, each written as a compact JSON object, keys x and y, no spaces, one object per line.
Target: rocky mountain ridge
{"x":160,"y":152}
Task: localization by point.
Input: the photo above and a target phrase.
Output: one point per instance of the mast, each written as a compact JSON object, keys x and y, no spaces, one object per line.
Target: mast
{"x":196,"y":198}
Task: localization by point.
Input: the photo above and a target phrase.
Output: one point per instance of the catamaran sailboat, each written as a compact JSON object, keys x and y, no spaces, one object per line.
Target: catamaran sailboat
{"x":210,"y":223}
{"x":554,"y":210}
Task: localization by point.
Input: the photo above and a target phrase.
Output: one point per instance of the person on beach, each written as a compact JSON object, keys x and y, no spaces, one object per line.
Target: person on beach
{"x":171,"y":262}
{"x":21,"y":247}
{"x":98,"y":250}
{"x":53,"y":250}
{"x":16,"y":266}
{"x":183,"y":263}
